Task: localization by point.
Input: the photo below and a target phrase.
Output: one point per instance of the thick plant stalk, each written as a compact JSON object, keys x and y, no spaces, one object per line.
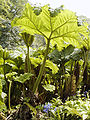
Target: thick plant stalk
{"x":85,"y":60}
{"x":9,"y":92}
{"x":4,"y":73}
{"x":4,"y":70}
{"x":41,"y":69}
{"x":28,"y":60}
{"x":28,"y":66}
{"x":84,"y":66}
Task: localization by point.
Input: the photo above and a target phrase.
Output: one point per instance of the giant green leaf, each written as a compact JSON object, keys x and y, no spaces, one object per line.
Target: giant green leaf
{"x":4,"y":53}
{"x":1,"y":51}
{"x":61,"y":29}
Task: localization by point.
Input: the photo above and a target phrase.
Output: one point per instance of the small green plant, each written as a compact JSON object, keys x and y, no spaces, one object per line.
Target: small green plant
{"x":10,"y":76}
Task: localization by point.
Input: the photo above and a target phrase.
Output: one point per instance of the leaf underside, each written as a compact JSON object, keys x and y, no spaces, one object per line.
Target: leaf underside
{"x":61,"y":29}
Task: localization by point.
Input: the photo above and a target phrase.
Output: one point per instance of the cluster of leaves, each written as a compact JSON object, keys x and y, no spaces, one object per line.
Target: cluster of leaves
{"x":60,"y":29}
{"x":76,"y":108}
{"x":58,"y":69}
{"x":8,"y":10}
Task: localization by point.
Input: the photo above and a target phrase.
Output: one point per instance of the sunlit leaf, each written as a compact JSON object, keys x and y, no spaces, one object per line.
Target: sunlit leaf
{"x":49,"y":87}
{"x":62,"y":29}
{"x":24,"y":77}
{"x":35,"y":61}
{"x":52,"y":66}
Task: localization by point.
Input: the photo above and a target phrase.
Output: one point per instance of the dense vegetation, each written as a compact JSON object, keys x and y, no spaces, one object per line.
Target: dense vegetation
{"x":44,"y":63}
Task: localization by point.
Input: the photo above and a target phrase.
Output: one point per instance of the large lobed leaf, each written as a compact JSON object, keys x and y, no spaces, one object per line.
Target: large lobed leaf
{"x":62,"y":29}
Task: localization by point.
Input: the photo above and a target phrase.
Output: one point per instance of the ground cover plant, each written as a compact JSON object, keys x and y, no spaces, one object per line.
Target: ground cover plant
{"x":43,"y":83}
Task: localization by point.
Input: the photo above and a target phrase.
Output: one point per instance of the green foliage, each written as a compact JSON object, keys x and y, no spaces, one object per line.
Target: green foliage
{"x":52,"y":66}
{"x":37,"y":10}
{"x":4,"y":53}
{"x":9,"y":37}
{"x":17,"y":59}
{"x":10,"y":8}
{"x":78,"y":107}
{"x":60,"y":28}
{"x":10,"y":75}
{"x":3,"y":107}
{"x":24,"y":77}
{"x":2,"y":104}
{"x":62,"y":64}
{"x":71,"y":109}
{"x":49,"y":64}
{"x":6,"y":62}
{"x":61,"y":56}
{"x":31,"y":108}
{"x":49,"y":87}
{"x":35,"y":61}
{"x":28,"y":39}
{"x":0,"y":89}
